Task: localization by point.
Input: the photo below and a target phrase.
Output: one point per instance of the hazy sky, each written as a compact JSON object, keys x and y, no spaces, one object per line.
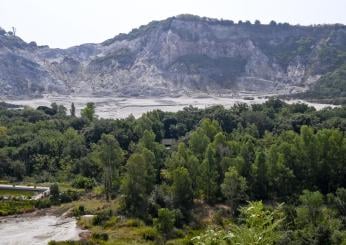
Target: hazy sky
{"x":63,"y":23}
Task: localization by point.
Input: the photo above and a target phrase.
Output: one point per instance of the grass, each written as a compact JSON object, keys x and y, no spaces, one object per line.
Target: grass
{"x":120,"y":230}
{"x":121,"y":234}
{"x":123,"y":230}
{"x":17,"y":193}
{"x":9,"y":207}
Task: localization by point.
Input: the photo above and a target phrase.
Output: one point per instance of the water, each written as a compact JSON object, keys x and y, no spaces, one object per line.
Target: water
{"x":37,"y":230}
{"x":117,"y":107}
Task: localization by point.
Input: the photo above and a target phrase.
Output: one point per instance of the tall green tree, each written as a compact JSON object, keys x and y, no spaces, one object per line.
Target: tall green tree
{"x":182,"y":188}
{"x":88,"y":112}
{"x":234,"y":188}
{"x":110,"y":156}
{"x":260,"y":176}
{"x":198,"y":143}
{"x":136,"y":185}
{"x":73,"y":110}
{"x":164,"y":222}
{"x":209,"y":176}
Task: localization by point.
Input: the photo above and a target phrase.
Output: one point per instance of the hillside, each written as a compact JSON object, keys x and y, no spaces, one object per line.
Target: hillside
{"x":181,"y":55}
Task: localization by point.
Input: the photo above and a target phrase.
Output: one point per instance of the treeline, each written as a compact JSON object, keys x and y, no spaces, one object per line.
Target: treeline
{"x":270,"y":152}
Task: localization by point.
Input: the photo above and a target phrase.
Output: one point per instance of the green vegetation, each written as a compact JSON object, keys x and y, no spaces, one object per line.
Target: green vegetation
{"x":17,"y":193}
{"x":265,"y":174}
{"x":9,"y":207}
{"x":331,"y":85}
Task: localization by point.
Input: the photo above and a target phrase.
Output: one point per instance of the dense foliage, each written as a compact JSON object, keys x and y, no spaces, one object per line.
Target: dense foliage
{"x":272,"y":153}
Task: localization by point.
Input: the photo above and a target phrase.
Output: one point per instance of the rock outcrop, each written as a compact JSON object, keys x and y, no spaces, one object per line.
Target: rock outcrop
{"x":182,"y":54}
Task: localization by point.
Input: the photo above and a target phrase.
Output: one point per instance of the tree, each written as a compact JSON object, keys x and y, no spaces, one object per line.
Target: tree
{"x":111,"y":156}
{"x":280,"y":176}
{"x":248,"y":154}
{"x":210,"y":128}
{"x":315,"y":223}
{"x":182,"y":188}
{"x":209,"y":175}
{"x":165,"y":220}
{"x":311,"y":207}
{"x":18,"y":169}
{"x":259,"y":226}
{"x":198,"y":143}
{"x":260,"y":176}
{"x":54,"y":192}
{"x":3,"y":132}
{"x":234,"y":188}
{"x":135,"y":187}
{"x":74,"y":144}
{"x":272,"y":23}
{"x":157,"y":151}
{"x":54,"y":107}
{"x":14,"y":30}
{"x":88,"y":112}
{"x":61,"y":110}
{"x":73,"y":110}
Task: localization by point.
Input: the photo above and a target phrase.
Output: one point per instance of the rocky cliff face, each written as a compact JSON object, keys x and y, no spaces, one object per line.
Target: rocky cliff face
{"x":181,"y":54}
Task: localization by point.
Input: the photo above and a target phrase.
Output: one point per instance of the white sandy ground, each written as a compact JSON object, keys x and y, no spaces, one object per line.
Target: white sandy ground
{"x":37,"y":230}
{"x":118,"y":107}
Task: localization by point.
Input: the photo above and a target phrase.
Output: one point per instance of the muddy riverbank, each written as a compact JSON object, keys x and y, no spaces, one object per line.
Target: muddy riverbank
{"x":37,"y":230}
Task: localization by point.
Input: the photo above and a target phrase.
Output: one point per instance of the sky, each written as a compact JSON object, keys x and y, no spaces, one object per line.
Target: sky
{"x":64,"y":23}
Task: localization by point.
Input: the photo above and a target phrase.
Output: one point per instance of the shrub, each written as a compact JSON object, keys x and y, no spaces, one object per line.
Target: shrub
{"x":100,"y":236}
{"x":112,"y":222}
{"x":69,"y":196}
{"x":149,"y":233}
{"x":54,"y":192}
{"x":133,"y":223}
{"x":165,"y":220}
{"x":102,"y":217}
{"x":82,"y":182}
{"x":43,"y":203}
{"x":78,"y":211}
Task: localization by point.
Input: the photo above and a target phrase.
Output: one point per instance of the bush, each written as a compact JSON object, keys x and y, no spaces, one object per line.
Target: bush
{"x":9,"y":207}
{"x":100,"y":236}
{"x":82,"y":182}
{"x":78,"y":211}
{"x":133,"y":223}
{"x":54,"y":192}
{"x":112,"y":222}
{"x":102,"y":217}
{"x":165,"y":220}
{"x":149,"y":234}
{"x":69,"y":196}
{"x":43,"y":203}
